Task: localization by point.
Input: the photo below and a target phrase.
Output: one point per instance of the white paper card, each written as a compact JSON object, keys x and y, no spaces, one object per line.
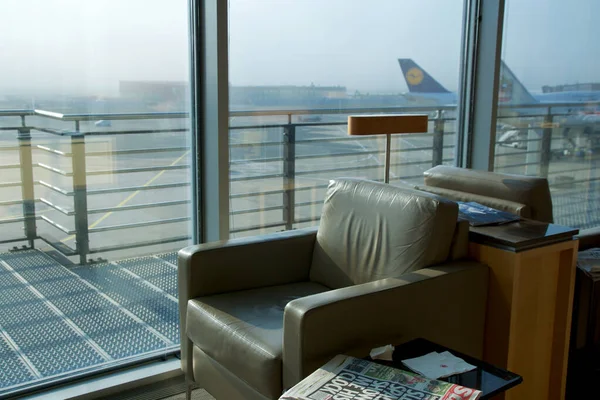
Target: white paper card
{"x":438,"y":365}
{"x":382,"y":353}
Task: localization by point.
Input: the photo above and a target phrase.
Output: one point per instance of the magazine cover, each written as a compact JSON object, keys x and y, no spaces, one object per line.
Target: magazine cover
{"x":478,"y":214}
{"x":348,"y":378}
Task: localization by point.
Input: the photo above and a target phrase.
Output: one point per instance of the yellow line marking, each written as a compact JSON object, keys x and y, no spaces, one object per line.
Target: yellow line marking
{"x":129,"y":198}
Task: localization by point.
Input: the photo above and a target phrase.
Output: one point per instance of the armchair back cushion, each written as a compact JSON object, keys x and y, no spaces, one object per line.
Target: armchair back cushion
{"x":371,"y":231}
{"x":532,"y":192}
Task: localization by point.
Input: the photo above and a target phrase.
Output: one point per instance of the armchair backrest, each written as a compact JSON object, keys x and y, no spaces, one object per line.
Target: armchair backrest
{"x":532,"y":192}
{"x":370,"y":231}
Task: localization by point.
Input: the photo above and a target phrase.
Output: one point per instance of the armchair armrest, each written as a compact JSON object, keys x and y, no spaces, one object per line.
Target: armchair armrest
{"x":589,"y":238}
{"x":445,"y":304}
{"x":493,"y":202}
{"x":240,"y":264}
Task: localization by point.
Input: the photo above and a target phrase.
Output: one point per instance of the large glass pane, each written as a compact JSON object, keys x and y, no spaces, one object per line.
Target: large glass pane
{"x":94,"y":184}
{"x":548,"y":123}
{"x":298,"y":68}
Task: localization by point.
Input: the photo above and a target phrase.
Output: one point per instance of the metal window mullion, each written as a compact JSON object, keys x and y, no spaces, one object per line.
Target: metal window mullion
{"x":211,"y":102}
{"x":480,"y":80}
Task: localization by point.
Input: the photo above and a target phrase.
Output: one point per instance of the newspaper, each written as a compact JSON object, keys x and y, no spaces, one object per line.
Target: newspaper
{"x":478,"y":214}
{"x":347,"y":378}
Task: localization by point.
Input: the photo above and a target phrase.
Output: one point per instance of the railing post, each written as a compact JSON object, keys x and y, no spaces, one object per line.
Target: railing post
{"x":438,"y":139}
{"x":289,"y":175}
{"x":546,"y":144}
{"x":27,"y":191}
{"x":82,"y":244}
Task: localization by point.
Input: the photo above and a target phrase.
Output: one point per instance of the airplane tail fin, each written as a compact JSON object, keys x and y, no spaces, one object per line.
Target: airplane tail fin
{"x":417,"y":79}
{"x":511,"y":90}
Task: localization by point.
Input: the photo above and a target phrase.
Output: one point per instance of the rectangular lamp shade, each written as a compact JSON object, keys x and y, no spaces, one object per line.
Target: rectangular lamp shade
{"x":386,"y":124}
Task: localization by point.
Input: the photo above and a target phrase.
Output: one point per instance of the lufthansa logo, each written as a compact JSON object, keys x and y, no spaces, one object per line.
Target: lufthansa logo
{"x":414,"y":76}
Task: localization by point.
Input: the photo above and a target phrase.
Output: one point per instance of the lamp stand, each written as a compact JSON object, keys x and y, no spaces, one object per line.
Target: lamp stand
{"x":388,"y":145}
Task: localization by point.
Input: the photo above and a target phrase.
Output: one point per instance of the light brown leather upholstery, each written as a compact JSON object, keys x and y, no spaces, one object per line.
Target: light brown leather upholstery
{"x":388,"y":248}
{"x":589,"y":238}
{"x":532,"y":192}
{"x":253,"y":323}
{"x":526,"y":196}
{"x":500,"y":204}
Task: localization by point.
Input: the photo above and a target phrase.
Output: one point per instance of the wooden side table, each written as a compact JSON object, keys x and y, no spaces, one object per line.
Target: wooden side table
{"x":528,"y":319}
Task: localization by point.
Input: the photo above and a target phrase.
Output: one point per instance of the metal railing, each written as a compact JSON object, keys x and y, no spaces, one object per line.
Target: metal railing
{"x":291,"y":172}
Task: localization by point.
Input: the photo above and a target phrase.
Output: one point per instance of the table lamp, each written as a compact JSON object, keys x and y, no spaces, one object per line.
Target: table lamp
{"x":386,"y":124}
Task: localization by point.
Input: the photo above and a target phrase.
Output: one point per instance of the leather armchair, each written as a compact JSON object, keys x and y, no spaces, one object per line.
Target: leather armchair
{"x":526,"y":196}
{"x":385,"y":266}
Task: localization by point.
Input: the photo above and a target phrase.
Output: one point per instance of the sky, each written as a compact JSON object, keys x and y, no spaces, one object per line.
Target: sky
{"x":84,"y":47}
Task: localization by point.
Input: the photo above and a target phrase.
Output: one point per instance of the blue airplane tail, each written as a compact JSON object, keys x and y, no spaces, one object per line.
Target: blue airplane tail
{"x":418,"y":80}
{"x":511,"y":90}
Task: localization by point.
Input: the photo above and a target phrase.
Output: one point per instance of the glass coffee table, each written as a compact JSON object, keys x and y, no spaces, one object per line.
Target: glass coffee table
{"x":489,"y":379}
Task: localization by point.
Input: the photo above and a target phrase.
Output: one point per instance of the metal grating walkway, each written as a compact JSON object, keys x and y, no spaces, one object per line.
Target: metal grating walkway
{"x":57,"y":322}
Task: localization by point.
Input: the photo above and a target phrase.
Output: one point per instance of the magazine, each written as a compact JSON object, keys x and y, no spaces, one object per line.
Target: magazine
{"x":478,"y":214}
{"x":589,"y":261}
{"x":348,"y":378}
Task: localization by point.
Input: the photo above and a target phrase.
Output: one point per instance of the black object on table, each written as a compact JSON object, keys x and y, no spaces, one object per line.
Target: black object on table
{"x":486,"y":377}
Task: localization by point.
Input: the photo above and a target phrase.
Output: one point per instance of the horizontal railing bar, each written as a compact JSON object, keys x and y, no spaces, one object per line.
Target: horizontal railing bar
{"x":135,"y":151}
{"x":9,"y":166}
{"x":575,"y":181}
{"x":551,"y":105}
{"x":9,"y":148}
{"x":254,"y":194}
{"x":253,"y":210}
{"x":256,"y":160}
{"x":9,"y":184}
{"x":284,"y":125}
{"x":300,"y":189}
{"x":412,"y":149}
{"x":15,"y":113}
{"x":250,"y":144}
{"x":258,"y":113}
{"x":10,"y":202}
{"x":321,"y":171}
{"x":134,"y":188}
{"x":57,"y":189}
{"x":516,"y":165}
{"x":108,"y":133}
{"x":57,"y":208}
{"x":133,"y":170}
{"x":339,"y":139}
{"x":355,"y":153}
{"x":309,"y":219}
{"x":57,"y":225}
{"x":251,"y":178}
{"x":18,"y":219}
{"x":112,"y":116}
{"x":406,"y":177}
{"x":400,"y":164}
{"x":309,"y":203}
{"x":56,"y":170}
{"x":138,"y":244}
{"x":521,"y":140}
{"x":138,"y":206}
{"x":6,"y":241}
{"x":256,"y":227}
{"x":134,"y":132}
{"x":138,"y":224}
{"x":517,"y":154}
{"x":569,"y":170}
{"x":54,"y":151}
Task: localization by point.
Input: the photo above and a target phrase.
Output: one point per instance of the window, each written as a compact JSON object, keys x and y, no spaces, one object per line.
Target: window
{"x":297,"y":69}
{"x":548,"y":123}
{"x":94,"y":184}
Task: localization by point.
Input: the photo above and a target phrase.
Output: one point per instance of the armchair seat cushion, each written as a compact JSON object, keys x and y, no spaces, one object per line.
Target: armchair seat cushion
{"x":243,"y":331}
